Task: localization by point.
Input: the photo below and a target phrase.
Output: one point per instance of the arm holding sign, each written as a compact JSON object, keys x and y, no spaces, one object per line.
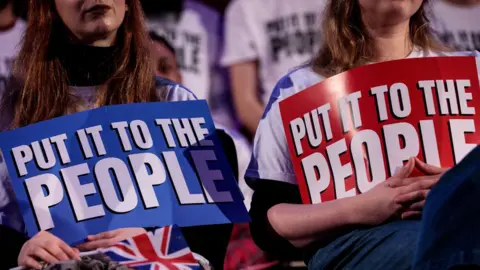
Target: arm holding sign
{"x":46,"y":247}
{"x":303,"y":224}
{"x":106,"y":239}
{"x":277,"y":215}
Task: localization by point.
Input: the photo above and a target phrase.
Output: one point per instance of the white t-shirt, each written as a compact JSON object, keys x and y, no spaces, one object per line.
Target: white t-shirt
{"x":9,"y":46}
{"x":271,"y":157}
{"x":200,"y":23}
{"x":195,"y":39}
{"x":280,"y":34}
{"x":458,"y":26}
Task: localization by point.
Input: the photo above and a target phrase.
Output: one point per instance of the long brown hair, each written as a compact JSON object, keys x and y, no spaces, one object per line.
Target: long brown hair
{"x":44,"y":91}
{"x":346,"y":41}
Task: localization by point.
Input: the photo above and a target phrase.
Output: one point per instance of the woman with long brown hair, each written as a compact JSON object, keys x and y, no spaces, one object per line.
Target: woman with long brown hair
{"x":373,"y":230}
{"x":77,"y":55}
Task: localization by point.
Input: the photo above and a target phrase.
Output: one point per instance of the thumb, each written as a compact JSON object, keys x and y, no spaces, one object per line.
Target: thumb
{"x":404,"y":171}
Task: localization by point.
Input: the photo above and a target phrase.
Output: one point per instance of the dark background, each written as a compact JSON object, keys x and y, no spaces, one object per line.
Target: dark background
{"x":153,"y":6}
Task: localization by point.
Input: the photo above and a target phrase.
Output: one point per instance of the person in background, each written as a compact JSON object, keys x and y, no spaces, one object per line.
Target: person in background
{"x":11,"y":32}
{"x":164,"y":59}
{"x":194,"y":30}
{"x":264,"y":39}
{"x":241,"y":252}
{"x":377,"y":229}
{"x":87,"y":54}
{"x":457,"y":23}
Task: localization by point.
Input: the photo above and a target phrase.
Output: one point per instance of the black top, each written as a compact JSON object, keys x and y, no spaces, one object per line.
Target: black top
{"x":268,"y":193}
{"x":88,"y":65}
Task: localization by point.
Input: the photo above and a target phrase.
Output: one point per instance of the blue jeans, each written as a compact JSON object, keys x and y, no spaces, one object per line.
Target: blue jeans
{"x":448,"y":234}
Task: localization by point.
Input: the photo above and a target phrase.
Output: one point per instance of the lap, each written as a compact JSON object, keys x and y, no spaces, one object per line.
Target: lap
{"x":389,"y":246}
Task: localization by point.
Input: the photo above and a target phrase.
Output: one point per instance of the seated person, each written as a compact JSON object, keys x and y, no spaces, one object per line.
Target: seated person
{"x":71,"y":60}
{"x":377,"y":229}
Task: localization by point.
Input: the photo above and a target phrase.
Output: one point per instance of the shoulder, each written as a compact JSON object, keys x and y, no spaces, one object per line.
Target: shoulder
{"x":454,"y":53}
{"x":173,"y":91}
{"x":236,"y":5}
{"x":293,"y":82}
{"x":21,"y":24}
{"x":237,"y":8}
{"x":207,"y":16}
{"x":201,"y":8}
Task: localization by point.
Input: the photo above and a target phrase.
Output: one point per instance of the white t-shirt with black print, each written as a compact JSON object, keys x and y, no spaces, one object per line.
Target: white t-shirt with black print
{"x":9,"y":46}
{"x":280,"y":34}
{"x":196,"y":37}
{"x":456,"y":25}
{"x":195,"y":43}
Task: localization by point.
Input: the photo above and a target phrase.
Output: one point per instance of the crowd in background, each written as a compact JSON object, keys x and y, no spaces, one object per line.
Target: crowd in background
{"x":232,"y":53}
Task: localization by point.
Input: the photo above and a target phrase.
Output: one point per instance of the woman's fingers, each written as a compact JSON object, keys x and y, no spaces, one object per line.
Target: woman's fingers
{"x":57,"y":252}
{"x":103,"y":235}
{"x":45,"y":256}
{"x":69,"y":251}
{"x":411,"y":180}
{"x":401,"y":173}
{"x":418,"y":206}
{"x":411,"y":214}
{"x":423,"y":184}
{"x":412,"y":197}
{"x":31,"y":263}
{"x":429,"y":169}
{"x":96,"y":244}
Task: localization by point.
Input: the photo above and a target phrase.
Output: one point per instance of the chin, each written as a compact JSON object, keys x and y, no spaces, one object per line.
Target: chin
{"x":399,"y":11}
{"x":100,"y":27}
{"x":403,"y":7}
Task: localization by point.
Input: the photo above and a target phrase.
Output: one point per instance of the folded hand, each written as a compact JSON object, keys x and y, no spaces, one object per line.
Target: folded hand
{"x":414,"y":190}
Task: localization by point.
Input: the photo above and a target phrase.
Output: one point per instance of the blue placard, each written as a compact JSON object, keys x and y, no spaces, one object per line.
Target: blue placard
{"x":136,"y":165}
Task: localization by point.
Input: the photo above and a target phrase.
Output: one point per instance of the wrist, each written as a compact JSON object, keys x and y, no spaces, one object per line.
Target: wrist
{"x":358,"y":212}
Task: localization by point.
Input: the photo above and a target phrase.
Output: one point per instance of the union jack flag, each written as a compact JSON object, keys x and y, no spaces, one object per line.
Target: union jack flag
{"x":165,"y":249}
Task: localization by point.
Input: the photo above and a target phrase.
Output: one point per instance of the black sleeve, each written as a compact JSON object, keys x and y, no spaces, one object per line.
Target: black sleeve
{"x":211,"y":241}
{"x":11,"y":243}
{"x":268,"y":193}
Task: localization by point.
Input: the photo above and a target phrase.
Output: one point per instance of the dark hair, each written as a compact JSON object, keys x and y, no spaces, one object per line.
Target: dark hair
{"x":20,"y":8}
{"x":162,"y":7}
{"x":44,"y":89}
{"x":346,"y":43}
{"x":160,"y":39}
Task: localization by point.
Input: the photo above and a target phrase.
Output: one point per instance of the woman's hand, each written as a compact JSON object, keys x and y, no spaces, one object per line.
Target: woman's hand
{"x":45,"y":247}
{"x":400,"y":196}
{"x":378,"y":204}
{"x":106,"y":239}
{"x":413,"y":198}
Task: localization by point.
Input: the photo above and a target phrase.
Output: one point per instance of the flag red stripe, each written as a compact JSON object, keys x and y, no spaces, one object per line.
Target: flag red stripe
{"x":166,"y":240}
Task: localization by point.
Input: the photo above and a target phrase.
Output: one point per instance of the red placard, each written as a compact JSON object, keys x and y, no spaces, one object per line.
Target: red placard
{"x":352,"y":131}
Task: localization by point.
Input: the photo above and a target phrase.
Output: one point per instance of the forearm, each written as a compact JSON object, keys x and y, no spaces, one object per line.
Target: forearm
{"x":249,"y":108}
{"x":303,"y":224}
{"x":250,"y":112}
